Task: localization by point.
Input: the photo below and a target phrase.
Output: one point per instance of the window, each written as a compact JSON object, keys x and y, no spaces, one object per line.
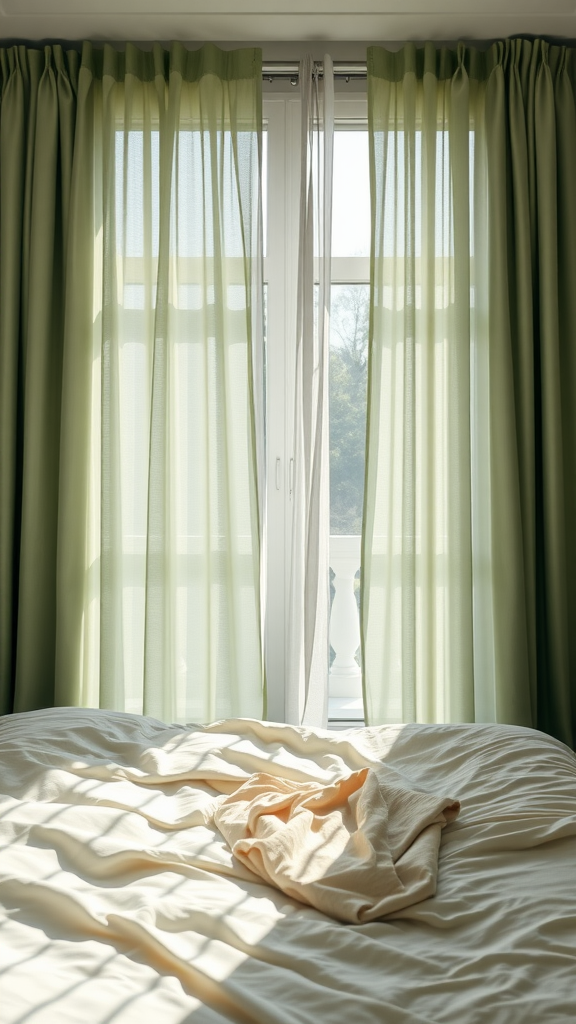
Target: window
{"x":348,"y":367}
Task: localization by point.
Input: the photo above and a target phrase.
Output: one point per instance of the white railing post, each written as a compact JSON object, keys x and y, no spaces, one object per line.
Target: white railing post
{"x":345,"y":678}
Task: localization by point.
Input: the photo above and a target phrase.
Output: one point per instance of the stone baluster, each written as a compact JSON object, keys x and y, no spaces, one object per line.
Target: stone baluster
{"x":345,"y":679}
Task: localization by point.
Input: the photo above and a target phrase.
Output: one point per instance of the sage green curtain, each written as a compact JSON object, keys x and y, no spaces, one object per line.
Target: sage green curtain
{"x":38,"y":91}
{"x":154,"y":542}
{"x":531,"y":145}
{"x":469,"y":558}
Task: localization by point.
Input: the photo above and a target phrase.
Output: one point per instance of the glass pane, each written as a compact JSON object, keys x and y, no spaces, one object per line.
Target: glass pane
{"x":348,"y":376}
{"x":351,"y":200}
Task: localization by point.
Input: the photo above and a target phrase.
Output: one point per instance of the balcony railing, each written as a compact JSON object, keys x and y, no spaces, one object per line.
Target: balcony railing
{"x":345,"y":678}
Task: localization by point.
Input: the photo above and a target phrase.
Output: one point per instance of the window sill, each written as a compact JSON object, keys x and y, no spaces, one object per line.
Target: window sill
{"x":345,"y":712}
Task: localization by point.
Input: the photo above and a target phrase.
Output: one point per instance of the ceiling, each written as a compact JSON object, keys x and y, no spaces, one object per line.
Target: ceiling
{"x":273,"y":21}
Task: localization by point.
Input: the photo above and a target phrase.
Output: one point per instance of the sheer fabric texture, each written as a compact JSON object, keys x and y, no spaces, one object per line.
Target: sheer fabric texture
{"x":171,"y":620}
{"x":468,"y":562}
{"x":147,"y":285}
{"x":427,"y":389}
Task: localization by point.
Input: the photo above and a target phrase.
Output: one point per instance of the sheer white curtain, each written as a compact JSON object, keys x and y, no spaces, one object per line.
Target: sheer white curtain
{"x":168,"y":605}
{"x":307,"y":677}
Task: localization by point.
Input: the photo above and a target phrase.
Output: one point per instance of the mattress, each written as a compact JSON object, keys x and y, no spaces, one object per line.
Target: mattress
{"x":119,"y":904}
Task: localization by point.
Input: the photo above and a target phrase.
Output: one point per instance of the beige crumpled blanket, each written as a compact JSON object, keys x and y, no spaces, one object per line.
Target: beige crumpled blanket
{"x":357,"y":849}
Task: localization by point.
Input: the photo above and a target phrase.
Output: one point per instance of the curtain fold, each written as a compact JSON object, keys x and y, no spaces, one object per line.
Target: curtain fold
{"x":307,"y":670}
{"x":531,"y":121}
{"x":37,"y":130}
{"x":468,"y":555}
{"x":154,"y":592}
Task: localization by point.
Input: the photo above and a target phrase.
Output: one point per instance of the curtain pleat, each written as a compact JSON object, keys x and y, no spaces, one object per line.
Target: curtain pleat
{"x":468,"y":554}
{"x":37,"y":129}
{"x":132,"y":380}
{"x":537,"y":314}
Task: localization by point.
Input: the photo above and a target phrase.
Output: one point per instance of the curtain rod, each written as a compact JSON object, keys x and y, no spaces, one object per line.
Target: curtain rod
{"x":290,"y":70}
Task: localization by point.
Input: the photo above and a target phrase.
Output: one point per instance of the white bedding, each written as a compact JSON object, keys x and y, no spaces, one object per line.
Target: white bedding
{"x":120,"y":904}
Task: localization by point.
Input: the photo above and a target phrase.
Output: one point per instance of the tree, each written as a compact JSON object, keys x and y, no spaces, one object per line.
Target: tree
{"x":348,"y":379}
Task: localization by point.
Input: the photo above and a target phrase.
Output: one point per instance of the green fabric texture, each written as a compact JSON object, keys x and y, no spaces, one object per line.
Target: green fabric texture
{"x":38,"y":90}
{"x":489,"y":597}
{"x":109,"y":516}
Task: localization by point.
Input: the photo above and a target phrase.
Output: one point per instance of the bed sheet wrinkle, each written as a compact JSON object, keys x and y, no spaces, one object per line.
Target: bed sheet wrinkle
{"x":117,"y":896}
{"x":356,"y":849}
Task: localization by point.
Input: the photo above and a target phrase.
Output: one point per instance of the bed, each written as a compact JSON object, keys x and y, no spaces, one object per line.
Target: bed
{"x":119,"y":904}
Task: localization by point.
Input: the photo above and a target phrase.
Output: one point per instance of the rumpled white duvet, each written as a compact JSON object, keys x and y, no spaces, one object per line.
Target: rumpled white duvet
{"x":122,"y":903}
